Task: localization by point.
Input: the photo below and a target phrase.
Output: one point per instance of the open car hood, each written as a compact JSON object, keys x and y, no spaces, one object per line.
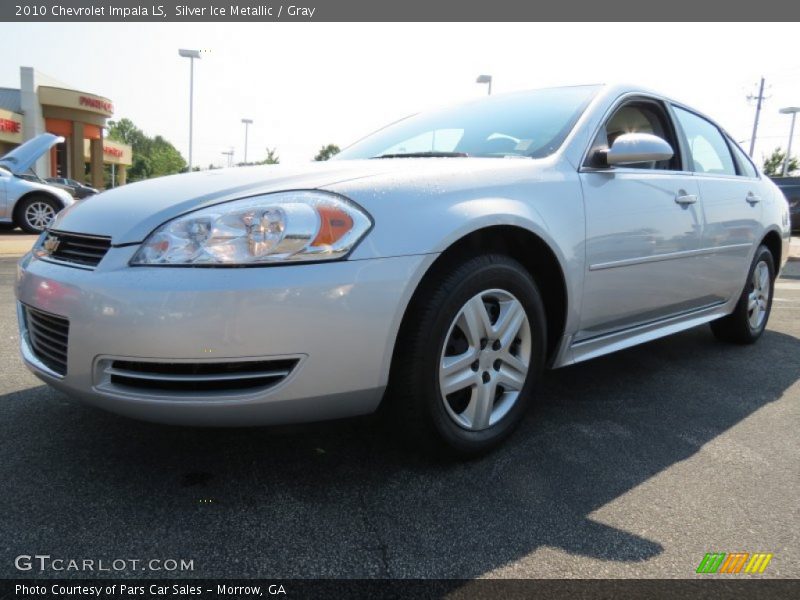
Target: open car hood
{"x":23,"y":157}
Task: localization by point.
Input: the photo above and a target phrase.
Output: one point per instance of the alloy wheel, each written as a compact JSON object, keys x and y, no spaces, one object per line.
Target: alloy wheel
{"x":485,"y":359}
{"x":758,"y":299}
{"x":39,"y":214}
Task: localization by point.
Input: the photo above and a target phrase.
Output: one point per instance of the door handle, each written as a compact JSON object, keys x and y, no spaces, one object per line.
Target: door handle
{"x":752,"y":199}
{"x":685,"y":199}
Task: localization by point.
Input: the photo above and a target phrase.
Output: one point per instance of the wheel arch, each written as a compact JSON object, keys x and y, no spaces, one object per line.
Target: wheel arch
{"x":521,"y":244}
{"x":774,"y":243}
{"x":27,"y":195}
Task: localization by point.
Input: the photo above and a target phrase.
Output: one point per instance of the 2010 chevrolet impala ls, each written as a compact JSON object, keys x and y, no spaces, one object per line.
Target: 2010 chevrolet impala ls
{"x":438,"y":265}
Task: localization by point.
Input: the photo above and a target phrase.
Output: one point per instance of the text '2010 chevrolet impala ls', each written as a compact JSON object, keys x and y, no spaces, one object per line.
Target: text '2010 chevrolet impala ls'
{"x":438,"y":265}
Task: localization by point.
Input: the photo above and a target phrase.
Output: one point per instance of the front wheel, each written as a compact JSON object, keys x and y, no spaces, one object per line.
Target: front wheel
{"x":35,"y":213}
{"x":749,"y":319}
{"x":471,"y":348}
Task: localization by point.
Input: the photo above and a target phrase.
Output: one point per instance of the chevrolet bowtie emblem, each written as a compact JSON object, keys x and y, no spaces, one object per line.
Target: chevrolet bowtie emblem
{"x":51,"y":244}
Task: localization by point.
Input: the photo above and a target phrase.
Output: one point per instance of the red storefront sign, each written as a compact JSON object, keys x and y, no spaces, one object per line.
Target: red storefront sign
{"x":96,"y":103}
{"x":9,"y":126}
{"x":112,"y":151}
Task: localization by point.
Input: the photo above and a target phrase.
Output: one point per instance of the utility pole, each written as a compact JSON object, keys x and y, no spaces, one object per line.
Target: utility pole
{"x":758,"y":99}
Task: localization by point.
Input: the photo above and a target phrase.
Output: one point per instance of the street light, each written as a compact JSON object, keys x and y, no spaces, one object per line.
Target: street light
{"x":247,"y":123}
{"x":191,"y":55}
{"x":485,"y":79}
{"x":229,"y":154}
{"x":789,"y":110}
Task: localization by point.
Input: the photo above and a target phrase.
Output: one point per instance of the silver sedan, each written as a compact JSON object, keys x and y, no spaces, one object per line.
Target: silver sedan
{"x":437,"y":266}
{"x":26,"y":201}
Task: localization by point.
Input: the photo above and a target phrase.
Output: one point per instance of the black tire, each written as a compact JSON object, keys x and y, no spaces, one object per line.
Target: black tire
{"x":415,"y":403}
{"x":21,"y":212}
{"x":737,"y":327}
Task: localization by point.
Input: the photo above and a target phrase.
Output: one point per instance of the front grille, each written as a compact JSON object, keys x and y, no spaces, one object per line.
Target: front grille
{"x":48,"y":335}
{"x":199,"y":377}
{"x":84,"y":250}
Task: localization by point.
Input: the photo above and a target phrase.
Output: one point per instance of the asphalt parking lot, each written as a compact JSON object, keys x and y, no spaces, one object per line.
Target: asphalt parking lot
{"x":632,"y":465}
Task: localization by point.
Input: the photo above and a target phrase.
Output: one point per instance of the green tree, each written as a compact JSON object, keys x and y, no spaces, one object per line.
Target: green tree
{"x":327,"y":151}
{"x":272,"y":157}
{"x":152,"y":157}
{"x":773,"y":164}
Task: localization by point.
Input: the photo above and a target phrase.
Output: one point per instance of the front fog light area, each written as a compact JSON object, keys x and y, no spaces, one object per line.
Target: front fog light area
{"x":283,"y":227}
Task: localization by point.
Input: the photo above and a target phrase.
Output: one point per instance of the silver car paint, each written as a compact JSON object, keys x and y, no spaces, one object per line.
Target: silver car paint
{"x":19,"y":160}
{"x":343,"y":317}
{"x":12,"y":189}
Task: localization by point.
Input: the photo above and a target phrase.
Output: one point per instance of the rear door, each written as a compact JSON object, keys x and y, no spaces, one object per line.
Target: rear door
{"x":644,"y":225}
{"x":732,"y":194}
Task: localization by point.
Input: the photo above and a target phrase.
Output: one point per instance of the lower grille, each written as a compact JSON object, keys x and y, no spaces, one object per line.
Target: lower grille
{"x":172,"y":377}
{"x":48,"y":335}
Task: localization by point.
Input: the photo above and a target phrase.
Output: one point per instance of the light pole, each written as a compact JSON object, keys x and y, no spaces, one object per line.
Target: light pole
{"x":485,"y":79}
{"x":191,"y":55}
{"x":789,"y":110}
{"x":247,"y":123}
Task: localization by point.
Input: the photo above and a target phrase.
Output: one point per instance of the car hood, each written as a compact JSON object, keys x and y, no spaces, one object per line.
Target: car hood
{"x":23,"y":157}
{"x":128,"y":214}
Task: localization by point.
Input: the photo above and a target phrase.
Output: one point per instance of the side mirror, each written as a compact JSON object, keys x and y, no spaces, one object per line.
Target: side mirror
{"x":632,"y":148}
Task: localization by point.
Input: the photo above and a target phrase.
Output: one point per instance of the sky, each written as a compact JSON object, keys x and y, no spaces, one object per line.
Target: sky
{"x":310,"y":84}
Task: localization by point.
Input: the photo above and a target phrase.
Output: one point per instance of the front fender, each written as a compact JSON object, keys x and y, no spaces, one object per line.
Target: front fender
{"x":20,"y":189}
{"x":428,"y":219}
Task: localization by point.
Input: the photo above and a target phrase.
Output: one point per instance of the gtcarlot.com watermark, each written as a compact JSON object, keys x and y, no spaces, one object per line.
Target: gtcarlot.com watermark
{"x":47,"y":563}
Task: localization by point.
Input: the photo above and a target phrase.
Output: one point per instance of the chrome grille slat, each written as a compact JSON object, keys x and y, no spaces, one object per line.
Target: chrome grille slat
{"x":201,"y":377}
{"x":49,"y":338}
{"x":79,"y":249}
{"x":81,"y":253}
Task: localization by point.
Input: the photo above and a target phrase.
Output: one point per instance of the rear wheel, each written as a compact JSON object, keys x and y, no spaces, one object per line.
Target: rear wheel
{"x":749,"y":319}
{"x":35,"y":213}
{"x":470,"y":350}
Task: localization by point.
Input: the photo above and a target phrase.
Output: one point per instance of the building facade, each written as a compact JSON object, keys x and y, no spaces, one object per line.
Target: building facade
{"x":41,"y":105}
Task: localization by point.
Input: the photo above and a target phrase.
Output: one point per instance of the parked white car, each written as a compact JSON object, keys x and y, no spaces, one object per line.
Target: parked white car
{"x":439,"y":265}
{"x":29,"y":203}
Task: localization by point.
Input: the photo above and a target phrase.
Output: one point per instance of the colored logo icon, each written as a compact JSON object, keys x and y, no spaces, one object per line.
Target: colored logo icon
{"x":734,"y":562}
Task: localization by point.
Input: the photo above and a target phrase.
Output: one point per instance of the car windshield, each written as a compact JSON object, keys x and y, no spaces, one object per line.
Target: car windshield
{"x":527,"y":124}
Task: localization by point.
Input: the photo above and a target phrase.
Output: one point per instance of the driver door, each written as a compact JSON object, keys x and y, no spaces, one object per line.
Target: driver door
{"x":644,"y":226}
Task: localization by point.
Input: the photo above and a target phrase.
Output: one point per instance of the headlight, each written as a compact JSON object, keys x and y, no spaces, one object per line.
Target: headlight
{"x":282,"y":227}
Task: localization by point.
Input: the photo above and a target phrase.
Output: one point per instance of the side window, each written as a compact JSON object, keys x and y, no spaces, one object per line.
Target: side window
{"x":746,"y":168}
{"x":708,"y":150}
{"x":639,"y":117}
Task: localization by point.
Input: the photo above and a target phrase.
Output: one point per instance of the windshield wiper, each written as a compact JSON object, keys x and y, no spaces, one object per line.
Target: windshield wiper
{"x":431,"y":154}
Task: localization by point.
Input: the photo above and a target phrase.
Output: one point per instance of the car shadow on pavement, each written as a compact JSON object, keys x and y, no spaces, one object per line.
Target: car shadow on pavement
{"x":342,"y":500}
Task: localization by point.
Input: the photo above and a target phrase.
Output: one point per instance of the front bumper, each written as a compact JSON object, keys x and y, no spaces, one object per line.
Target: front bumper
{"x":340,"y":319}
